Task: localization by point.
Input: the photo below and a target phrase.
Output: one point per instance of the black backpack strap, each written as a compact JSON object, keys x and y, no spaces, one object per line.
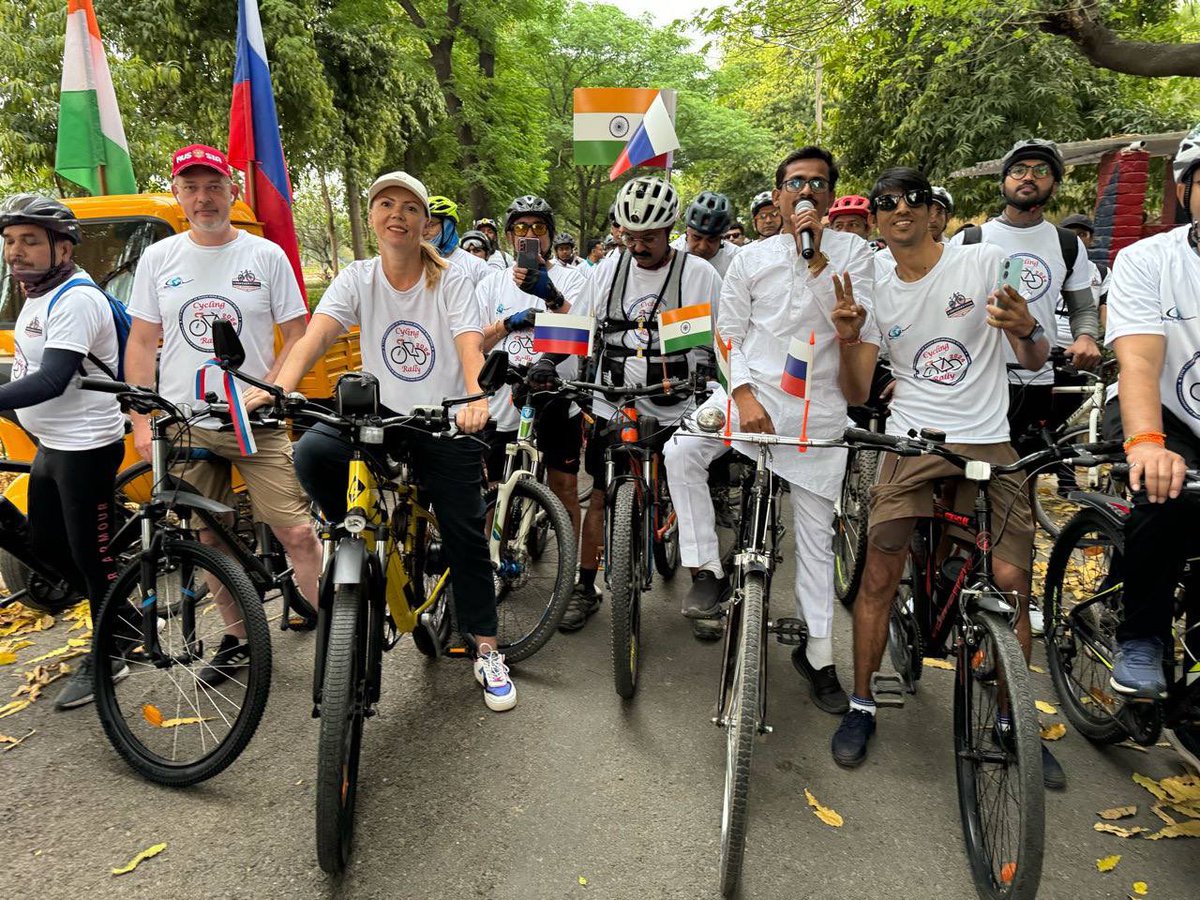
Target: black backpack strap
{"x":1069,"y":243}
{"x":973,"y":234}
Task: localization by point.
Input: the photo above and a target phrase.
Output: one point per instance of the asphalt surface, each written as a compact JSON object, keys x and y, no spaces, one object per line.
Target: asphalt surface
{"x":572,"y":786}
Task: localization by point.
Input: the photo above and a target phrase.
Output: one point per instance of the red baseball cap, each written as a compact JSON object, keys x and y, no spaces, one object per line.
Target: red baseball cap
{"x":200,"y":155}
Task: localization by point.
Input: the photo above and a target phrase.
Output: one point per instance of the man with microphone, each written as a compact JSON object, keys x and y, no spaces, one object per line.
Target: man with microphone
{"x":775,"y":290}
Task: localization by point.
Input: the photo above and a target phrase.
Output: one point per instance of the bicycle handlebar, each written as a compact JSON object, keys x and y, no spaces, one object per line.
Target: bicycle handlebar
{"x":627,"y":392}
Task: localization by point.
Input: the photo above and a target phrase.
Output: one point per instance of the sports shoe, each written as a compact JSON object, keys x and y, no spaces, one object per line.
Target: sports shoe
{"x":232,"y":655}
{"x":499,"y":693}
{"x":703,"y":600}
{"x":1138,"y":669}
{"x":1053,"y":776}
{"x":708,"y":629}
{"x":849,"y":742}
{"x":1037,"y":621}
{"x":823,"y":685}
{"x":78,"y":689}
{"x":583,"y":603}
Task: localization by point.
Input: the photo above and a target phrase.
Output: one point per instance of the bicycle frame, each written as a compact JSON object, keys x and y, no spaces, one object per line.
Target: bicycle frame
{"x":642,"y":458}
{"x":522,"y":460}
{"x":1090,"y":411}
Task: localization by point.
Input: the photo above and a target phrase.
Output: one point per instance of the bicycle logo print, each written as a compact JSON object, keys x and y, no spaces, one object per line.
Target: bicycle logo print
{"x":519,"y":347}
{"x":1035,"y":276}
{"x":196,"y":318}
{"x":408,"y":351}
{"x":1187,"y":387}
{"x":942,"y":361}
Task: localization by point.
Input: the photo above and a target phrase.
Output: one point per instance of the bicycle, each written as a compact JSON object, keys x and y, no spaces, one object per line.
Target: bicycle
{"x":639,"y":519}
{"x":952,"y":606}
{"x":850,"y":514}
{"x":1083,"y":591}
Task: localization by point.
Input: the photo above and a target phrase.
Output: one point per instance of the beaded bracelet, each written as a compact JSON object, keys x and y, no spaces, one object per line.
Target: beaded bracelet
{"x":1146,"y":437}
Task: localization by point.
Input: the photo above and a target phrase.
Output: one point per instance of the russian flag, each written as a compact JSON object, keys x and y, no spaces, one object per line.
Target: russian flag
{"x":797,"y":365}
{"x":655,"y":136}
{"x":561,"y":333}
{"x":254,"y":145}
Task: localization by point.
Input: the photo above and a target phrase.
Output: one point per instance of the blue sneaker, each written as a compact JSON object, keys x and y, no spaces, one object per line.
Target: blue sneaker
{"x":1138,"y":669}
{"x":499,"y":693}
{"x":849,"y":742}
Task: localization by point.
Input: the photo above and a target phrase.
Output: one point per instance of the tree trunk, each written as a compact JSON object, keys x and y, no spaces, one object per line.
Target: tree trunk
{"x":354,"y":208}
{"x":330,"y":222}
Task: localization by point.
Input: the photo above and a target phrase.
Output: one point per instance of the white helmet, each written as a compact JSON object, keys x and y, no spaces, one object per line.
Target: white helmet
{"x":646,"y":203}
{"x":1187,"y":157}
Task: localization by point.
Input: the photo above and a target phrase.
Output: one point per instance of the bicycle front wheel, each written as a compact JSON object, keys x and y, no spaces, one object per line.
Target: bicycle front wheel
{"x":178,"y":718}
{"x":625,"y":587}
{"x":741,"y":722}
{"x":998,"y":762}
{"x":666,"y":545}
{"x":850,"y":525}
{"x":343,"y":698}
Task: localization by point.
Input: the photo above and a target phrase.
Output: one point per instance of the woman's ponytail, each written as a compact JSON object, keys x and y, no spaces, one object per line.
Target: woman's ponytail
{"x":434,"y":264}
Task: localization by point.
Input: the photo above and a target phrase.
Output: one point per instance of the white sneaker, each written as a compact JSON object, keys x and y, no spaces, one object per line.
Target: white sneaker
{"x":1037,"y":622}
{"x":499,"y":693}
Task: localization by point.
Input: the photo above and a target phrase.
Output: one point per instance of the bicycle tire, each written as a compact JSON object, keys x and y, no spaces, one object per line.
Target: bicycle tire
{"x":1018,"y":874}
{"x":1044,"y":519}
{"x":850,"y":525}
{"x":742,"y":711}
{"x":1096,"y":719}
{"x":666,"y":551}
{"x":625,"y":588}
{"x":906,"y":648}
{"x":112,"y":639}
{"x":560,"y":534}
{"x":340,"y":742}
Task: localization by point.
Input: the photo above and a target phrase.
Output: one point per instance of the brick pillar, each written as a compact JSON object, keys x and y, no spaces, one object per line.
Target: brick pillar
{"x":1124,"y":177}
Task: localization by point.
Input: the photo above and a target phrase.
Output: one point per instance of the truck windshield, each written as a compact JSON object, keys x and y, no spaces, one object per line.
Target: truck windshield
{"x":109,"y":253}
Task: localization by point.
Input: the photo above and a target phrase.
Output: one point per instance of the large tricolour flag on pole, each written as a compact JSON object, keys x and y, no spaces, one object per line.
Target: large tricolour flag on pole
{"x":254,"y":145}
{"x":605,"y":118}
{"x":92,"y":150}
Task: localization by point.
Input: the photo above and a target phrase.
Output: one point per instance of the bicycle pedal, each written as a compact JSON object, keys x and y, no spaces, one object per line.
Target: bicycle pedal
{"x":791,"y":632}
{"x":888,"y":690}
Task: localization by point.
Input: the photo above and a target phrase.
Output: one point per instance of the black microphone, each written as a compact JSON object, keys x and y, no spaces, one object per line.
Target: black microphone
{"x":806,"y":236}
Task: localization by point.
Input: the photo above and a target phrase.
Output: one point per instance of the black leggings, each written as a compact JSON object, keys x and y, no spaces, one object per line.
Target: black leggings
{"x":71,"y":515}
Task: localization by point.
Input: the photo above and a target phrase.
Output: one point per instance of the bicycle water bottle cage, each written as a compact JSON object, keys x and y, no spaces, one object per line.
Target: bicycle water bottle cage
{"x":357,"y":394}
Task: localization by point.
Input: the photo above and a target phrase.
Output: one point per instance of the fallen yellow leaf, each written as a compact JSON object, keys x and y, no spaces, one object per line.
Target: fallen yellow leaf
{"x":1182,"y":788}
{"x":139,"y":859}
{"x":1038,"y":669}
{"x":1117,"y":812}
{"x":65,"y":650}
{"x":153,"y":715}
{"x":14,"y":646}
{"x":1190,"y":828}
{"x":824,"y":813}
{"x":1044,"y":707}
{"x":1054,"y":732}
{"x":582,"y":880}
{"x":189,"y":720}
{"x":15,"y":706}
{"x":1118,"y":830}
{"x":1192,"y":812}
{"x":1151,"y":785}
{"x":933,"y":663}
{"x":79,"y":642}
{"x":1108,"y":863}
{"x":1162,"y":814}
{"x":1140,"y":888}
{"x":7,"y":657}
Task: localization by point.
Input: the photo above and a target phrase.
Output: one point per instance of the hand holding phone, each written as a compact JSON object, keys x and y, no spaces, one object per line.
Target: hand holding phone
{"x":528,"y":249}
{"x":1010,"y":275}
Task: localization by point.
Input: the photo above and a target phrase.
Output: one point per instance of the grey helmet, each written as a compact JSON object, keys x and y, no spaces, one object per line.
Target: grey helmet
{"x":45,"y":212}
{"x":529,"y":205}
{"x":759,"y":201}
{"x":1035,"y":148}
{"x":474,"y":236}
{"x":709,"y":214}
{"x":563,"y":240}
{"x":943,"y":198}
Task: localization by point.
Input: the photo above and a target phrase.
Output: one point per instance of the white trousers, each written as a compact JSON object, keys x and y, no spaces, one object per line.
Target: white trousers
{"x":687,"y":459}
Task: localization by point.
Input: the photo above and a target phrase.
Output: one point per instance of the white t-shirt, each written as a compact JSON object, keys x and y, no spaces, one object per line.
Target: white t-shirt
{"x":1155,"y":289}
{"x":721,"y":259}
{"x":1099,"y":291}
{"x":1043,"y":271}
{"x":472,"y":266}
{"x":501,"y":260}
{"x":499,"y":297}
{"x":407,"y":337}
{"x":185,"y":287}
{"x":948,"y":362}
{"x":82,"y":322}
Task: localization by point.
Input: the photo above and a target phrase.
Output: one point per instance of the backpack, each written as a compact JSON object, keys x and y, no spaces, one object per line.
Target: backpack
{"x":1068,"y":241}
{"x":121,"y":322}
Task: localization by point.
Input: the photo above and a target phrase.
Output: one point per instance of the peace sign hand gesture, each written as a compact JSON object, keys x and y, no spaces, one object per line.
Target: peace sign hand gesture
{"x":848,"y":317}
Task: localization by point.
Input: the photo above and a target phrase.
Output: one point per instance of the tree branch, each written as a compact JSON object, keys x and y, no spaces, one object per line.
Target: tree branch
{"x":1105,"y":50}
{"x":413,"y":13}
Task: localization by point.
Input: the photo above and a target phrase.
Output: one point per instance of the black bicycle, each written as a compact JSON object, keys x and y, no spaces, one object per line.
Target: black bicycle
{"x":850,"y":513}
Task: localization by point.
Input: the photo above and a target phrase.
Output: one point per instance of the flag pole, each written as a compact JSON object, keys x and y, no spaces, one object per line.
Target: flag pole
{"x":102,"y":180}
{"x":251,"y":196}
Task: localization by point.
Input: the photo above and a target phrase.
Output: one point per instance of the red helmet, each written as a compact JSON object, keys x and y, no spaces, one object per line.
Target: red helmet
{"x":852,"y":205}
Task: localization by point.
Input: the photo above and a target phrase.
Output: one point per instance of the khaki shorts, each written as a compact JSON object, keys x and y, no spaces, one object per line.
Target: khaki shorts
{"x":904,"y":490}
{"x":270,"y":476}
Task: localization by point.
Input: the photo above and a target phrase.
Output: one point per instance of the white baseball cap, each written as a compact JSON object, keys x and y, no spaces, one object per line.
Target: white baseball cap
{"x":400,"y":180}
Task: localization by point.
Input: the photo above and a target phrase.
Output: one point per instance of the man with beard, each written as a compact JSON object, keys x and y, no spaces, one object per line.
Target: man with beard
{"x":940,"y":213}
{"x":496,"y":257}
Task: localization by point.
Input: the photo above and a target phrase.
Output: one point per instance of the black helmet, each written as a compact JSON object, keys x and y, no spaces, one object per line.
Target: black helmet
{"x":709,"y":213}
{"x":34,"y":209}
{"x":1078,"y":220}
{"x":1034,"y":148}
{"x":564,"y":240}
{"x":529,"y":205}
{"x":474,"y":236}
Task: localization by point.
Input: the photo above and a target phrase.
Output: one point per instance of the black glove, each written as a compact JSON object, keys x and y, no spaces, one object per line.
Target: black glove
{"x":542,"y":374}
{"x":520,"y":321}
{"x":537,"y":282}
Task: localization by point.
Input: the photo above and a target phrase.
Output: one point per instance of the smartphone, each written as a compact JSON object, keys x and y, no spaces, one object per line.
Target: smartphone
{"x":527,"y":253}
{"x":1010,"y":274}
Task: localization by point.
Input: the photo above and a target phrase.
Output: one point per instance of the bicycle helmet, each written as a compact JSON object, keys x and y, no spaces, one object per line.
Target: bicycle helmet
{"x":1187,"y":157}
{"x":476,"y":237}
{"x":478,"y":224}
{"x":563,"y":240}
{"x":646,"y":203}
{"x":1078,"y":220}
{"x":761,"y":200}
{"x":709,"y":213}
{"x":850,"y":205}
{"x":943,"y":198}
{"x":45,"y":212}
{"x":529,"y":205}
{"x":1034,"y":148}
{"x":443,"y":207}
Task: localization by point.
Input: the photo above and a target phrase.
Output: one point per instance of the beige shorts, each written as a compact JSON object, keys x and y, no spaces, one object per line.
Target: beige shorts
{"x":905,"y":487}
{"x":270,"y":476}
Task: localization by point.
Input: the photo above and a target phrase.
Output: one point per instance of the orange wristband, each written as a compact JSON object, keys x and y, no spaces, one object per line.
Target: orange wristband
{"x":1146,"y":437}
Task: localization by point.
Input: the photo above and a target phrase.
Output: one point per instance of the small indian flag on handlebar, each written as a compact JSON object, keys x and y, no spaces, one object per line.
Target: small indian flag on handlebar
{"x":686,"y":327}
{"x":237,"y":410}
{"x":722,"y":348}
{"x":562,"y":333}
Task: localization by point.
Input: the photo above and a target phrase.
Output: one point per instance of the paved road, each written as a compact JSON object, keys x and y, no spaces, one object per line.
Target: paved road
{"x":460,"y":802}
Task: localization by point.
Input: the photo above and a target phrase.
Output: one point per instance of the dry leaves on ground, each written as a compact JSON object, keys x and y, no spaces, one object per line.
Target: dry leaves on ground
{"x":1109,"y":828}
{"x":824,"y":813}
{"x":38,"y":677}
{"x":1118,"y":812}
{"x":932,"y":663}
{"x":1054,"y":732}
{"x":18,"y":620}
{"x":139,"y":859}
{"x":13,"y":707}
{"x":1108,"y":863}
{"x":1046,"y":708}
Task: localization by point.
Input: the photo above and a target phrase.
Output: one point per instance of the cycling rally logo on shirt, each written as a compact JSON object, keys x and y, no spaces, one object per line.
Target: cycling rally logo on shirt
{"x":1035,"y":276}
{"x":943,"y":361}
{"x":641,"y":308}
{"x":20,"y":365}
{"x":408,"y":351}
{"x":959,"y":306}
{"x":246,"y":281}
{"x":1187,"y":387}
{"x":196,"y":319}
{"x":34,"y":328}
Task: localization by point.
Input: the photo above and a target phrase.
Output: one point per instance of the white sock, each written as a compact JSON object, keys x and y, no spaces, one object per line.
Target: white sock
{"x":714,"y":567}
{"x":819,"y":651}
{"x":857,"y":702}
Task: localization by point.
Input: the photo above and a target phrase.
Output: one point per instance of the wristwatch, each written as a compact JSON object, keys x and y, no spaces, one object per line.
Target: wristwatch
{"x":1036,"y":335}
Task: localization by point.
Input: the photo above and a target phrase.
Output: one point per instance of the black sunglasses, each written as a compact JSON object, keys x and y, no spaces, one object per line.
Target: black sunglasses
{"x":889,"y":202}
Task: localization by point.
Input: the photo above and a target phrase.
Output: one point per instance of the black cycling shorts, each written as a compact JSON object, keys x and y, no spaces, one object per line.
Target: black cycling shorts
{"x":557,"y":433}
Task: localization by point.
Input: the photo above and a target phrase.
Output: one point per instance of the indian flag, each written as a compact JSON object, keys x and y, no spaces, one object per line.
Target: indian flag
{"x":92,"y":150}
{"x":722,"y":347}
{"x":605,"y":118}
{"x":688,"y":326}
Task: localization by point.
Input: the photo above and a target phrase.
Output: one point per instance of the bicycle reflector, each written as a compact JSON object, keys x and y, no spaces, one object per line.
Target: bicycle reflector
{"x":358,"y":394}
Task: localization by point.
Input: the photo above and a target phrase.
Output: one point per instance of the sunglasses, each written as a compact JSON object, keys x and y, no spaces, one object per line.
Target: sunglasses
{"x":1020,"y":170}
{"x":914,"y":198}
{"x":520,"y":229}
{"x":817,"y":185}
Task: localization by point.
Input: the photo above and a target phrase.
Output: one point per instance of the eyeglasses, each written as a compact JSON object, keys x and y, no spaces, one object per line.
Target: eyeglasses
{"x":767,"y":214}
{"x":914,"y":198}
{"x":520,"y":229}
{"x":817,"y":185}
{"x":1020,"y":170}
{"x":645,"y":238}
